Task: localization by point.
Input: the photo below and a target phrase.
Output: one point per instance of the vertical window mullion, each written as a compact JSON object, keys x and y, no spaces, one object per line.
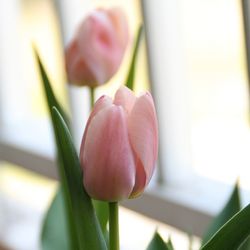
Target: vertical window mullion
{"x":169,"y":86}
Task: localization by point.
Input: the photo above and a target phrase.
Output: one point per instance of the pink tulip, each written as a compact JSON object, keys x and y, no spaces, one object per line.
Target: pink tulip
{"x":119,"y":147}
{"x":96,"y":52}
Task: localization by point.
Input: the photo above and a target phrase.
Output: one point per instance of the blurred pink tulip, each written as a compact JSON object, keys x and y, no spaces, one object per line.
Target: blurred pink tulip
{"x":120,"y":146}
{"x":95,"y":53}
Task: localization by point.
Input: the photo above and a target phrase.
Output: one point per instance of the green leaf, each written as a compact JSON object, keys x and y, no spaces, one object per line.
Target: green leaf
{"x":245,"y":245}
{"x":231,"y":208}
{"x":70,"y":227}
{"x":66,"y":227}
{"x":50,"y":97}
{"x":102,"y":212}
{"x":232,"y":234}
{"x":157,"y":243}
{"x":190,"y":241}
{"x":54,"y":234}
{"x":170,"y":244}
{"x":87,"y":226}
{"x":131,"y":72}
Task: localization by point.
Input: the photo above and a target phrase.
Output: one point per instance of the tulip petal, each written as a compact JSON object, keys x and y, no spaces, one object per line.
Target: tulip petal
{"x":71,"y":59}
{"x":140,"y":181}
{"x":120,"y":24}
{"x":143,"y":135}
{"x":97,"y":49}
{"x":102,"y":103}
{"x":108,"y":163}
{"x":104,"y":53}
{"x":78,"y":71}
{"x":125,"y":97}
{"x":87,"y":35}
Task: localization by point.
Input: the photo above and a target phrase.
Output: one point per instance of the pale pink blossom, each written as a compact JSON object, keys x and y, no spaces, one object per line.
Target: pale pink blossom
{"x":120,"y":146}
{"x":97,"y":49}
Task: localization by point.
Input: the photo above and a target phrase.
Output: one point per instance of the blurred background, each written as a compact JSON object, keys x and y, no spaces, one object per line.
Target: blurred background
{"x":192,"y":57}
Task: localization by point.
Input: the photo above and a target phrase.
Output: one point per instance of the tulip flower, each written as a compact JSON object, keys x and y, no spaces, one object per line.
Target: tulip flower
{"x":95,"y":53}
{"x":119,"y":146}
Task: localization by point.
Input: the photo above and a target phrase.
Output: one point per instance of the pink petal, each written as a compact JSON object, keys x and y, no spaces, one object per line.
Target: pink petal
{"x":71,"y":58}
{"x":98,"y":44}
{"x":143,"y":135}
{"x":140,"y":179}
{"x":125,"y":97}
{"x":119,"y":21}
{"x":108,"y":163}
{"x":102,"y":103}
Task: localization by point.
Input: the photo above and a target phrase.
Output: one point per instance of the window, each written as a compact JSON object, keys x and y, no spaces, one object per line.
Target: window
{"x":24,"y":119}
{"x":199,"y":76}
{"x":197,"y":71}
{"x":219,"y":90}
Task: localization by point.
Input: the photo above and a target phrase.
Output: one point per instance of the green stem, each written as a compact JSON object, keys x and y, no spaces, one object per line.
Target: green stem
{"x":92,"y":97}
{"x":114,"y":226}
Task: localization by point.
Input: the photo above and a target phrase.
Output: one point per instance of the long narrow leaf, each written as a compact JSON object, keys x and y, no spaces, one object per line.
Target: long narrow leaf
{"x":230,"y":209}
{"x":245,"y":245}
{"x":102,"y":212}
{"x":131,"y":72}
{"x":50,"y":96}
{"x":170,"y":244}
{"x":88,"y":228}
{"x":58,"y":221}
{"x":157,"y":243}
{"x":232,"y":234}
{"x":68,"y":223}
{"x":54,"y":234}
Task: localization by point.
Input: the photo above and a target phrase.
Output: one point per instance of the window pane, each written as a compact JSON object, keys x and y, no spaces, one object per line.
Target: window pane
{"x":215,"y":56}
{"x":23,"y":108}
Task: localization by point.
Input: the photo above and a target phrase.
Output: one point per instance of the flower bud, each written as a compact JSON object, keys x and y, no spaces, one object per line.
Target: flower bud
{"x":95,"y":53}
{"x":119,"y":146}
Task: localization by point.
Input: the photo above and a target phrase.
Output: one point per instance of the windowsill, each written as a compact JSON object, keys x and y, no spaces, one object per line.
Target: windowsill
{"x":29,"y":145}
{"x":22,"y":220}
{"x":34,"y":135}
{"x":25,"y":197}
{"x":188,"y":207}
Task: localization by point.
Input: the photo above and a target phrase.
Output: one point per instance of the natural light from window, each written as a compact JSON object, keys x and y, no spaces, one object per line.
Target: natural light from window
{"x":214,"y":46}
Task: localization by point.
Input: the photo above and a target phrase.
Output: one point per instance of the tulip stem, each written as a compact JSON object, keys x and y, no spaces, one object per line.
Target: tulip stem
{"x":92,"y":97}
{"x":114,"y":226}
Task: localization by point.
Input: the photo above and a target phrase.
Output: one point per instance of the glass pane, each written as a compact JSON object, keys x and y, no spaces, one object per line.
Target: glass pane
{"x":24,"y":113}
{"x":215,"y":57}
